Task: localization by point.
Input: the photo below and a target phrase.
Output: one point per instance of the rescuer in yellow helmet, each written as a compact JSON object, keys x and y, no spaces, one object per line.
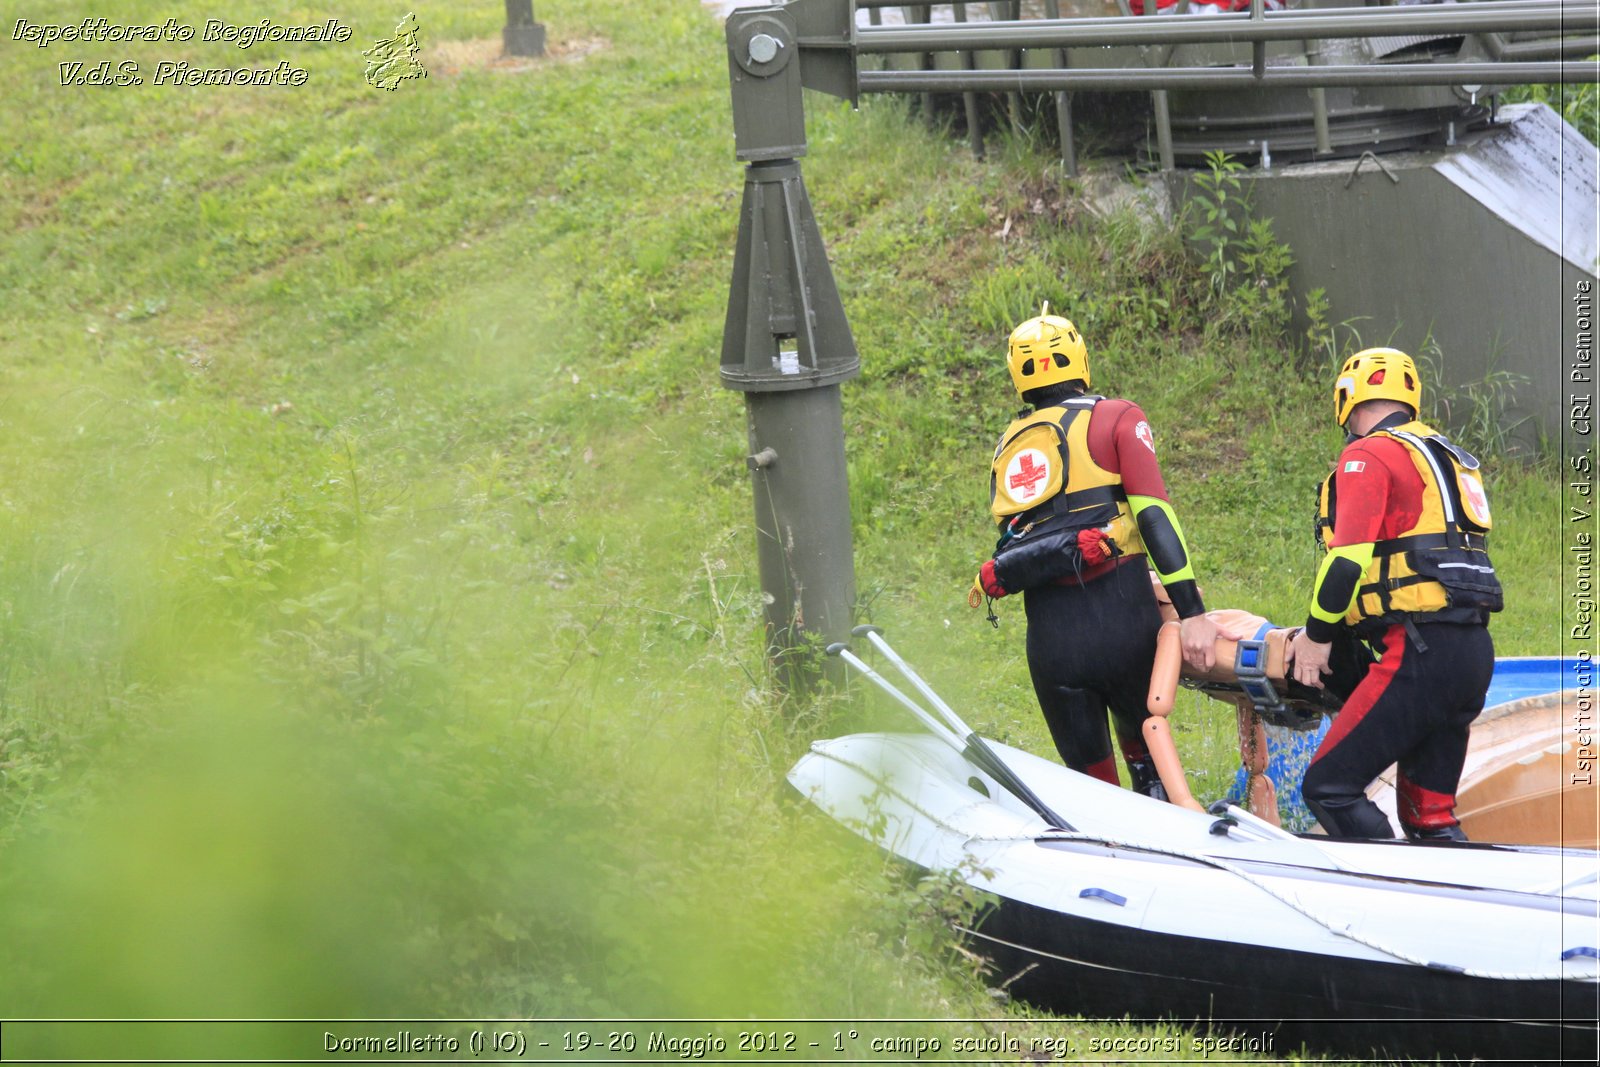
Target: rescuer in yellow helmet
{"x":1403,"y":517}
{"x":1081,"y":508}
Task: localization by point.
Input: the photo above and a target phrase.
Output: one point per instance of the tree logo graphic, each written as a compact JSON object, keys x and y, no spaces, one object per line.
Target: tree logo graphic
{"x":393,"y":61}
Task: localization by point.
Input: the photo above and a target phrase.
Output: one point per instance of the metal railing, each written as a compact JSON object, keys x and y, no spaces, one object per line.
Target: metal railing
{"x":1075,"y":48}
{"x":1500,"y":16}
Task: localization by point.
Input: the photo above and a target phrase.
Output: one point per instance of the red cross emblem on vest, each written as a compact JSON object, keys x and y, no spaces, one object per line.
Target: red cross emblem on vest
{"x":1029,"y":475}
{"x":1475,"y":498}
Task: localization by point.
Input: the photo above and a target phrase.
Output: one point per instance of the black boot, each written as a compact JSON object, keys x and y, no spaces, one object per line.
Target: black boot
{"x":1144,"y":779}
{"x":1440,"y":833}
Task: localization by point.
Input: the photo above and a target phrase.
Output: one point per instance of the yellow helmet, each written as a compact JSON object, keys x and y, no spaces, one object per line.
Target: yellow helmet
{"x":1376,"y":374}
{"x":1046,"y":350}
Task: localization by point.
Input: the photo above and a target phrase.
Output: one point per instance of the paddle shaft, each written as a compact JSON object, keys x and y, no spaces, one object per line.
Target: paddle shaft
{"x":957,"y":734}
{"x":937,"y":728}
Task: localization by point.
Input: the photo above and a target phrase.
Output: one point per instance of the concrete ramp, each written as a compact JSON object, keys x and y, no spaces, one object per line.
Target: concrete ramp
{"x":1539,"y":177}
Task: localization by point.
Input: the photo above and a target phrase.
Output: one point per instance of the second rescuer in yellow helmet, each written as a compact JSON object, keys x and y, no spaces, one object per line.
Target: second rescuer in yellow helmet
{"x":1404,"y":517}
{"x":1079,"y":503}
{"x":1376,"y":374}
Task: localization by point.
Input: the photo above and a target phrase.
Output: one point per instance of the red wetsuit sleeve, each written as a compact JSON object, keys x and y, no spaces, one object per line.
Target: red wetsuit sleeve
{"x":1377,"y":492}
{"x":1120,"y":441}
{"x":1377,"y":497}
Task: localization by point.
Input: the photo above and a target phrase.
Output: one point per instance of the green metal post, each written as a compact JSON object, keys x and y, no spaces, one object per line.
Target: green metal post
{"x":1158,"y":100}
{"x":1063,"y":101}
{"x":803,"y":542}
{"x":522,"y":36}
{"x":1258,"y":50}
{"x":787,"y":346}
{"x":924,"y":14}
{"x":969,"y":100}
{"x":1011,"y":11}
{"x":1319,"y":102}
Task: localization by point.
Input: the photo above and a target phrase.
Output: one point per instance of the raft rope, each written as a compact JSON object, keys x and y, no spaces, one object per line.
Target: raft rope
{"x":1209,"y":861}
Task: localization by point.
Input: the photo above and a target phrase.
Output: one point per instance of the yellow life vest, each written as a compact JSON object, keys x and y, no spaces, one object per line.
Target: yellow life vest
{"x":1440,"y":567}
{"x":1043,"y":478}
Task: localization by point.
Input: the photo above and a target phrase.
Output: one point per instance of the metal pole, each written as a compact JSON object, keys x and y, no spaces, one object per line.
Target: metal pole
{"x":1163,"y":130}
{"x":1258,"y":58}
{"x":969,"y":100}
{"x":1158,"y":100}
{"x":786,"y":345}
{"x":875,"y":17}
{"x":1319,"y":104}
{"x":1063,"y":101}
{"x":522,"y":36}
{"x":1014,"y":61}
{"x":1319,"y":120}
{"x":924,"y":14}
{"x":802,"y":510}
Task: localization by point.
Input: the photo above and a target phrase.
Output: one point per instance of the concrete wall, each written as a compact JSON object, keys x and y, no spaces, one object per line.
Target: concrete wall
{"x":1484,"y":246}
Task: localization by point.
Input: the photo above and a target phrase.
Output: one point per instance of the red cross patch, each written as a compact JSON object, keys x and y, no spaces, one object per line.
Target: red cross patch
{"x":1476,"y":500}
{"x":1025,"y":472}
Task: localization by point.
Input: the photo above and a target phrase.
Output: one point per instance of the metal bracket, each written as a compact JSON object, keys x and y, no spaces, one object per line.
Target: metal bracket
{"x":1392,"y":176}
{"x":786,"y":327}
{"x":768,"y":119}
{"x":827,"y":39}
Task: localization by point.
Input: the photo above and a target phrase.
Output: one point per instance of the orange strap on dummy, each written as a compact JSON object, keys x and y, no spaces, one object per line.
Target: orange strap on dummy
{"x":1259,"y":790}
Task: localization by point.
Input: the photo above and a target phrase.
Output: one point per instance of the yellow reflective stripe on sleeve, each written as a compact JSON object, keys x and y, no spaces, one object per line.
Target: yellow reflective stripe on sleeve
{"x":1166,"y":551}
{"x":1358,"y":555}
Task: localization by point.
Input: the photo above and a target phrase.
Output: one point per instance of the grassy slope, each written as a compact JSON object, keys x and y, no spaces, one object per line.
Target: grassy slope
{"x":376,"y":583}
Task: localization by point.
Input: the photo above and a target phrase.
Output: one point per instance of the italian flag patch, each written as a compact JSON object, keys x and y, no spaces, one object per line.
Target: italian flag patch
{"x":1355,"y":466}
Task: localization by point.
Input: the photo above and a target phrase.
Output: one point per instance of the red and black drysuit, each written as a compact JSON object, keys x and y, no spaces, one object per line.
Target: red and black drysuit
{"x":1092,"y":620}
{"x":1414,"y":705}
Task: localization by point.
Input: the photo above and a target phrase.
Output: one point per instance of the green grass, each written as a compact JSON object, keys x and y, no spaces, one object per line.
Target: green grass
{"x":379,"y":630}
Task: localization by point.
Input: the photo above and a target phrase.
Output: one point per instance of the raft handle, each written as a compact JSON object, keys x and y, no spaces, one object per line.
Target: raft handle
{"x":1103,"y":894}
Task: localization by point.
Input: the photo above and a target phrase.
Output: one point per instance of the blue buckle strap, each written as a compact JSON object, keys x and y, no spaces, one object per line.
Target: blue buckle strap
{"x":1250,"y":665}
